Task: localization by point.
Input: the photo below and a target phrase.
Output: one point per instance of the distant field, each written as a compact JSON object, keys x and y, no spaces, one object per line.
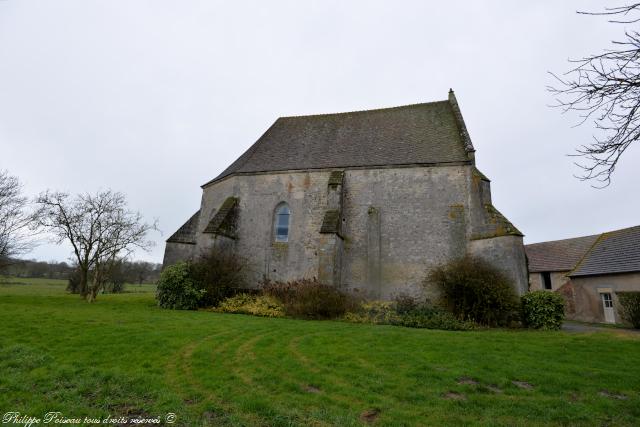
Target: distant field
{"x":123,"y":356}
{"x":39,"y":286}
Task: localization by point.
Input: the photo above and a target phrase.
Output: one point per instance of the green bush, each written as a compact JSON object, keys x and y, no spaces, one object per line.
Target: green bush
{"x":543,"y":310}
{"x":257,"y":305}
{"x":474,"y":290}
{"x":409,"y":312}
{"x":176,"y":288}
{"x":434,"y":318}
{"x":630,"y":307}
{"x":220,"y":273}
{"x":310,"y":299}
{"x":377,"y":312}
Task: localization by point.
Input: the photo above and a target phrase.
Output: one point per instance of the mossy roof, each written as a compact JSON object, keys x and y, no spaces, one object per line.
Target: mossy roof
{"x":221,"y":223}
{"x":331,"y":222}
{"x":336,"y":178}
{"x":428,"y":133}
{"x":187,"y":232}
{"x":558,"y":255}
{"x":612,"y":252}
{"x":499,"y":225}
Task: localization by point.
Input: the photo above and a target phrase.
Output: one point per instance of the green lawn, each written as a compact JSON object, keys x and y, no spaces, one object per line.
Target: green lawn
{"x":124,"y":356}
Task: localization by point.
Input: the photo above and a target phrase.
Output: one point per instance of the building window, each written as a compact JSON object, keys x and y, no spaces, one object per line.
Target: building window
{"x":546,"y":280}
{"x":282,"y":223}
{"x":607,"y":300}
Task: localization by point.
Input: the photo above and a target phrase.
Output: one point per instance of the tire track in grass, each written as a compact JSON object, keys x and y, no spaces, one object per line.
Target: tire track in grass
{"x":181,"y":378}
{"x":236,"y":351}
{"x":237,"y":366}
{"x":245,"y":356}
{"x":220,"y":359}
{"x":225,"y":356}
{"x":177,"y":368}
{"x":246,"y":349}
{"x":398,"y":404}
{"x":325,"y":372}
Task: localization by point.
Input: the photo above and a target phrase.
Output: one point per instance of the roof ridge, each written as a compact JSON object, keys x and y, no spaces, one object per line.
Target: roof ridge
{"x":583,"y":237}
{"x":564,"y":240}
{"x":397,"y":107}
{"x":621,"y":229}
{"x":462,"y":127}
{"x":586,"y":253}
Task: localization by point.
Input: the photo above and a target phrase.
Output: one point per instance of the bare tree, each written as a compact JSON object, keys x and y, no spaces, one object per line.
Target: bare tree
{"x":605,"y":88}
{"x":100,"y":228}
{"x":15,"y":221}
{"x":139,"y":271}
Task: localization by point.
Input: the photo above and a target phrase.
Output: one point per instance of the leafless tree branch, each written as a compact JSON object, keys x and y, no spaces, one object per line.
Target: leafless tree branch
{"x":16,"y":222}
{"x":605,"y":89}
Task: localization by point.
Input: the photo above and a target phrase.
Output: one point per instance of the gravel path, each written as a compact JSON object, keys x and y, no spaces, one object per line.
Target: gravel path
{"x":585,"y":327}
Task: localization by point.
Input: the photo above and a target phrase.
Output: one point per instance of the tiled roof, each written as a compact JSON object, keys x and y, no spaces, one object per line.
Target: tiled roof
{"x":187,"y":232}
{"x":558,"y":255}
{"x":223,"y":222}
{"x":331,"y":222}
{"x":336,"y":178}
{"x":614,"y":252}
{"x":429,"y":133}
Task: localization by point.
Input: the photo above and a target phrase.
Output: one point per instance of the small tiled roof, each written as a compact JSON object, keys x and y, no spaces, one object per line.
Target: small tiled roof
{"x":336,"y":178}
{"x":614,"y":252}
{"x":503,"y":227}
{"x":223,"y":222}
{"x":331,"y":222}
{"x":429,"y":133}
{"x":187,"y":232}
{"x":558,"y":255}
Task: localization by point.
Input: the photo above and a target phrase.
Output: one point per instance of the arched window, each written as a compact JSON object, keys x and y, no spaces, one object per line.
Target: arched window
{"x":282,"y":223}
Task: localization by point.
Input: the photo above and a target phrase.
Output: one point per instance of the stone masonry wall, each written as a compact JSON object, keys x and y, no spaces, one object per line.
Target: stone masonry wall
{"x":175,"y":252}
{"x":397,"y":223}
{"x":258,"y":195}
{"x":558,"y":278}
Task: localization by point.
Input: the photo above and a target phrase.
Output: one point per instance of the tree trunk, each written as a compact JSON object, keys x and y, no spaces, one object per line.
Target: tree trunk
{"x":84,"y":282}
{"x":93,"y":293}
{"x":95,"y":286}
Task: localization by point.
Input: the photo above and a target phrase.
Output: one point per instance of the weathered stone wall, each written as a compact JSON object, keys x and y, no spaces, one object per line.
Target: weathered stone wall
{"x":558,"y":279}
{"x":399,"y":223}
{"x":507,"y":254}
{"x":304,"y":192}
{"x":396,"y":224}
{"x":174,"y":252}
{"x":588,"y":302}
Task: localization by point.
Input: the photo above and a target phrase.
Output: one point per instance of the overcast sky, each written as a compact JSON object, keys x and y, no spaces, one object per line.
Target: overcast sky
{"x":154,"y":98}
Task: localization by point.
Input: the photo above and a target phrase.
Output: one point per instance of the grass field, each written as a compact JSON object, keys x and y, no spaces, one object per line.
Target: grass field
{"x":122,"y":356}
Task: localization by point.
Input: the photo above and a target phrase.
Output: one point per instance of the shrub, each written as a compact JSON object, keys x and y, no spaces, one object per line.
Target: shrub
{"x":177,"y":289}
{"x":409,"y":312}
{"x":542,"y":310}
{"x":404,"y":303}
{"x":220,"y":273}
{"x":474,"y":290}
{"x":114,"y":286}
{"x":630,"y":307}
{"x":73,"y":286}
{"x":257,"y":305}
{"x":377,"y":312}
{"x":310,"y":299}
{"x":433,"y":318}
